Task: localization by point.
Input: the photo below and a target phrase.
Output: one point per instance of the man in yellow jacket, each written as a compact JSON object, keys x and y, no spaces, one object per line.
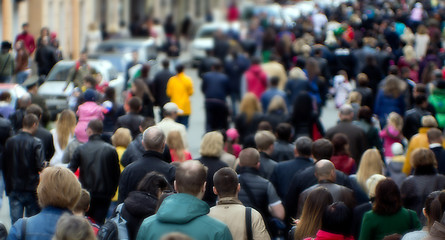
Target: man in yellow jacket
{"x":179,"y":90}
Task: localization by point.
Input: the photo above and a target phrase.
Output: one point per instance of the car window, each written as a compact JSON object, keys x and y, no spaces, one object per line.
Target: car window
{"x":59,"y":73}
{"x":206,"y":33}
{"x":112,"y":73}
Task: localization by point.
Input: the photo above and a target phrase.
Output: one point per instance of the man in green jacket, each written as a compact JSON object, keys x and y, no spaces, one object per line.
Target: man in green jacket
{"x":185,"y":212}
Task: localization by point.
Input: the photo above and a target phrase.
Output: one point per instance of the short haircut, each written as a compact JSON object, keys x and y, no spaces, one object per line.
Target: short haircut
{"x":387,"y":198}
{"x":71,"y":227}
{"x":304,"y":146}
{"x":135,"y":104}
{"x":264,"y":139}
{"x":96,"y":126}
{"x":337,"y":218}
{"x":362,"y":80}
{"x":4,"y":96}
{"x":121,"y":138}
{"x":179,"y":68}
{"x":249,"y":157}
{"x":423,"y":157}
{"x":256,"y":60}
{"x":165,"y":63}
{"x":434,"y":135}
{"x":153,"y":183}
{"x":346,"y":109}
{"x":153,"y":139}
{"x":190,"y":177}
{"x":420,"y":99}
{"x":265,"y":126}
{"x":58,"y":187}
{"x":225,"y":181}
{"x":420,"y":88}
{"x":322,"y":149}
{"x":429,"y":121}
{"x":284,"y":131}
{"x":34,"y":109}
{"x":212,"y":144}
{"x":340,"y":140}
{"x":274,"y":81}
{"x":323,"y":168}
{"x":91,"y":80}
{"x":365,"y":113}
{"x":147,"y":122}
{"x":84,"y":202}
{"x":29,"y":120}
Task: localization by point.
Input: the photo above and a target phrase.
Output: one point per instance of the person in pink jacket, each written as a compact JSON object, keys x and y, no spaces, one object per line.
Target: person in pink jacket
{"x":86,"y":112}
{"x":256,"y":78}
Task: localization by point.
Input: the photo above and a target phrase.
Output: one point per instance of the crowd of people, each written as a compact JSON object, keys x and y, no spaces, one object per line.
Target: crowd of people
{"x":267,"y":168}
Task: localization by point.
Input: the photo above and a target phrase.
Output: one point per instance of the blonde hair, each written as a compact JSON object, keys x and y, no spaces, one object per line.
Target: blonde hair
{"x":409,"y":53}
{"x":121,"y":138}
{"x":65,"y":125}
{"x":58,"y":187}
{"x":354,"y":97}
{"x":372,"y":182}
{"x":395,"y":120}
{"x":71,"y":227}
{"x":212,"y":144}
{"x":277,"y":103}
{"x":175,"y":143}
{"x":263,"y":140}
{"x":249,"y":106}
{"x":371,"y":163}
{"x":429,"y":121}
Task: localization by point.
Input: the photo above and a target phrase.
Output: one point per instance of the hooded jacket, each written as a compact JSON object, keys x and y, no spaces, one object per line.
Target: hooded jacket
{"x":437,"y":99}
{"x":137,"y":207}
{"x":256,"y":80}
{"x":186,"y":214}
{"x":87,"y":111}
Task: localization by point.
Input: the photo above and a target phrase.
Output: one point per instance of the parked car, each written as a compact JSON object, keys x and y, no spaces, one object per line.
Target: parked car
{"x":119,"y":51}
{"x":204,"y":38}
{"x":53,"y":87}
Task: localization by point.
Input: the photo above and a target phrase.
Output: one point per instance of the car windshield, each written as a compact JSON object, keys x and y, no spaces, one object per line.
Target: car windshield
{"x":59,"y":72}
{"x":118,"y":47}
{"x":206,"y":33}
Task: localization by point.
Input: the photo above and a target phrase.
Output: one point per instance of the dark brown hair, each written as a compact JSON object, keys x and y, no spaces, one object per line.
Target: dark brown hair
{"x":225,"y":181}
{"x":340,"y":142}
{"x":387,"y":198}
{"x":322,"y":149}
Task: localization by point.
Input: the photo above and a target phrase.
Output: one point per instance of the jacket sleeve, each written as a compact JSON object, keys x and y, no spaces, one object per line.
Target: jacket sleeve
{"x":75,"y":161}
{"x":39,"y":156}
{"x":123,"y":190}
{"x":190,"y":87}
{"x":114,"y":170}
{"x":15,"y":231}
{"x":258,"y":227}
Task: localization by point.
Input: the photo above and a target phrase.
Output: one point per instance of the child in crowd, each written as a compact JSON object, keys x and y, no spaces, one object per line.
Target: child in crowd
{"x":82,"y":206}
{"x":232,"y":145}
{"x":176,"y":146}
{"x":342,"y":88}
{"x":392,"y":133}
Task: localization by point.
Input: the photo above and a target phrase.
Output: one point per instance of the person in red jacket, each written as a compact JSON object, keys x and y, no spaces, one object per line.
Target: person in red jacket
{"x":256,"y":78}
{"x":27,"y":39}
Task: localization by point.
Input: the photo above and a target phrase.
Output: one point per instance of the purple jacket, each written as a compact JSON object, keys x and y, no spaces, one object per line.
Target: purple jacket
{"x":86,"y":112}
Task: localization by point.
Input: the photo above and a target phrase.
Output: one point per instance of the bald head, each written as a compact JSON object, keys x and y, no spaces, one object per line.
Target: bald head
{"x":346,"y":112}
{"x":325,"y":170}
{"x":249,"y":157}
{"x":191,"y":177}
{"x":153,"y":139}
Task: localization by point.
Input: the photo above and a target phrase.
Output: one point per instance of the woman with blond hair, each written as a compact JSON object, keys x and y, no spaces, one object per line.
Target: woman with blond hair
{"x":62,"y":135}
{"x":249,"y":117}
{"x":176,"y":146}
{"x":58,"y":192}
{"x":277,"y":111}
{"x":371,"y":163}
{"x":392,"y":133}
{"x":211,"y":149}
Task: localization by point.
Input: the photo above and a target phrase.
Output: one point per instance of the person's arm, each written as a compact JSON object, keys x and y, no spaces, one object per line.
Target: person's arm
{"x":39,"y":156}
{"x":190,"y":87}
{"x":123,"y":191}
{"x":75,"y":161}
{"x":259,"y":230}
{"x":115,"y":172}
{"x":276,"y":208}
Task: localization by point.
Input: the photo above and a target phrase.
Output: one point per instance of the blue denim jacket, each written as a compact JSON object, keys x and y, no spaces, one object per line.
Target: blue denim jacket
{"x":39,"y":227}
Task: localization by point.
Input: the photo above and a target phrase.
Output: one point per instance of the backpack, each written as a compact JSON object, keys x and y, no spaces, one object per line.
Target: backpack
{"x":114,"y":228}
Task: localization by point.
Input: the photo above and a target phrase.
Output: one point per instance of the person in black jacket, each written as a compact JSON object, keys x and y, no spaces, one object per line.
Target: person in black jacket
{"x":153,"y":141}
{"x":159,"y":85}
{"x":435,"y":140}
{"x":99,"y":170}
{"x":24,"y":155}
{"x":44,"y":135}
{"x":45,"y":57}
{"x":142,"y":203}
{"x":132,"y":120}
{"x":5,"y":133}
{"x":412,"y":119}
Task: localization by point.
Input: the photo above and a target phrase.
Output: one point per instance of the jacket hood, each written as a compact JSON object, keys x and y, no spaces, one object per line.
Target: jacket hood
{"x":181,"y":208}
{"x":255,"y":69}
{"x":140,"y":204}
{"x":88,"y":109}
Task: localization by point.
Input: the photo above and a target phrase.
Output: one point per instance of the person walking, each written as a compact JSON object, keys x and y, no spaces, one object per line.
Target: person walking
{"x":179,"y":89}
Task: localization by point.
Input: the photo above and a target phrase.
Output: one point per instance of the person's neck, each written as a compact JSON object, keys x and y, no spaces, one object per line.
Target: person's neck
{"x":27,"y":130}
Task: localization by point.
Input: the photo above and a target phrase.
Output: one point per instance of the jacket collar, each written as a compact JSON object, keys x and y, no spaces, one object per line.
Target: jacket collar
{"x":95,"y":137}
{"x":229,"y":200}
{"x":425,"y":170}
{"x":250,"y":170}
{"x":152,"y":154}
{"x":264,"y":155}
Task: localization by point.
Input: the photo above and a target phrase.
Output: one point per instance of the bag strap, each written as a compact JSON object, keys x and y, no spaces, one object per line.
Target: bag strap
{"x":24,"y":222}
{"x":249,"y":223}
{"x":6,"y":62}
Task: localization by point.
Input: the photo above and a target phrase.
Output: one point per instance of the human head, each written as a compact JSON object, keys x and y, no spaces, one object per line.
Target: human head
{"x":303,"y":145}
{"x":297,"y":74}
{"x":83,"y":204}
{"x":434,"y":135}
{"x":34,"y":109}
{"x":277,"y":104}
{"x":121,"y":137}
{"x":70,"y":227}
{"x":153,"y":183}
{"x":312,"y":213}
{"x":153,"y":139}
{"x":325,"y":170}
{"x":284,"y":131}
{"x":397,"y":149}
{"x":249,"y":157}
{"x":322,"y":149}
{"x":83,"y":57}
{"x":5,"y":96}
{"x":174,"y":140}
{"x":341,"y":144}
{"x":191,"y":178}
{"x":89,"y":81}
{"x":434,"y":207}
{"x":225,"y":182}
{"x":274,"y":81}
{"x":387,"y":198}
{"x":250,"y":105}
{"x":393,"y":86}
{"x":423,"y":157}
{"x":58,"y":187}
{"x":337,"y":219}
{"x":362,"y":80}
{"x":346,"y":112}
{"x":371,"y":163}
{"x":171,"y":110}
{"x":217,"y":65}
{"x":30,"y":123}
{"x":264,"y":140}
{"x":95,"y":126}
{"x":146,"y":123}
{"x":212,"y":144}
{"x":25,"y":27}
{"x":179,"y":68}
{"x":265,"y":126}
{"x":365,"y":113}
{"x":135,"y":104}
{"x":371,"y":184}
{"x":395,"y":120}
{"x":429,"y":122}
{"x":354,"y":97}
{"x":165,"y":63}
{"x":89,"y":95}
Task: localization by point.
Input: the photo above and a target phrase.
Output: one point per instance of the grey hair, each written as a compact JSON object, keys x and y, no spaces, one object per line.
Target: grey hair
{"x":346,"y":109}
{"x":304,"y":146}
{"x":153,"y":139}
